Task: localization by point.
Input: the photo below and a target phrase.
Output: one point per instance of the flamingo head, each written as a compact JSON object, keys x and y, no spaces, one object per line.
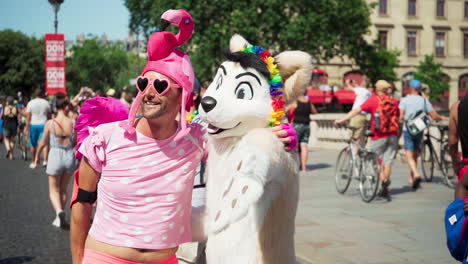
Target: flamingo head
{"x":181,"y":19}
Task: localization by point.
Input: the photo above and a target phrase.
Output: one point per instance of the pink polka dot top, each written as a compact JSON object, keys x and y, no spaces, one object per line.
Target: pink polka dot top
{"x":145,"y":189}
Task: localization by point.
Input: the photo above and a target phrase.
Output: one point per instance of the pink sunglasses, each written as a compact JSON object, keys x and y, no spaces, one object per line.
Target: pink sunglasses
{"x":161,"y":85}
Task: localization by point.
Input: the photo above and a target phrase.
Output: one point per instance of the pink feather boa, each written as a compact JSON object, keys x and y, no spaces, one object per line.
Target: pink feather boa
{"x":96,"y":111}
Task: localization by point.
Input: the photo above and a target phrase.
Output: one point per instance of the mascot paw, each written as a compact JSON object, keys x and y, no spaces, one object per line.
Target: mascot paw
{"x":241,"y":193}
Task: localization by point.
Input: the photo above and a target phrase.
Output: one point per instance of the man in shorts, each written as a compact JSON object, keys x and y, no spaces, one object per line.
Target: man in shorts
{"x":37,"y":113}
{"x":359,"y":121}
{"x":384,"y":144}
{"x":410,"y":106}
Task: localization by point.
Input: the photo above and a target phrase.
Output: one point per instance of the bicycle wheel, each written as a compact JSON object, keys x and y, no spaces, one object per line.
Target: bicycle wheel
{"x":451,"y":179}
{"x":427,"y":162}
{"x":369,"y":177}
{"x":343,"y":170}
{"x":23,"y":145}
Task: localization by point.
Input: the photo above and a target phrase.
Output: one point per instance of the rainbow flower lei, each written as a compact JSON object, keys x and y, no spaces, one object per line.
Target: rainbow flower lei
{"x":276,"y":84}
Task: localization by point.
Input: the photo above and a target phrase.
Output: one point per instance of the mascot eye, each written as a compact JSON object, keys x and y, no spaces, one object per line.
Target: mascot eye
{"x":244,"y":91}
{"x":219,"y":81}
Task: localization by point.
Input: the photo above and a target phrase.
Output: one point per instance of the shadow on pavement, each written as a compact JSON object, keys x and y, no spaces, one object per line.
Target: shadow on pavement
{"x":318,"y":166}
{"x":16,"y":260}
{"x":403,"y":189}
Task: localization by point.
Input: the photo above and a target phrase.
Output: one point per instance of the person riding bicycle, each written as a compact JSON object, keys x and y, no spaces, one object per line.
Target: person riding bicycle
{"x":411,"y":106}
{"x":384,"y":125}
{"x":359,"y":121}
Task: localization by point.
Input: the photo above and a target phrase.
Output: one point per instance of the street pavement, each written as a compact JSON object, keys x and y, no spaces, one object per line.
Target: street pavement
{"x":334,"y":228}
{"x":330,"y":228}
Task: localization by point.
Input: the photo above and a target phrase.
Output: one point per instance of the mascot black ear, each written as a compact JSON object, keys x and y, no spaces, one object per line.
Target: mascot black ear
{"x":295,"y":68}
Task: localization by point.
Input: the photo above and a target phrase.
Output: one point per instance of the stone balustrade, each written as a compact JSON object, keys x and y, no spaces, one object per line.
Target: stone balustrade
{"x":325,"y":135}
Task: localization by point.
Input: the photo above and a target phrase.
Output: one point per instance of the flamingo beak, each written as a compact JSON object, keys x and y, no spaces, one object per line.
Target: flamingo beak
{"x":164,"y":24}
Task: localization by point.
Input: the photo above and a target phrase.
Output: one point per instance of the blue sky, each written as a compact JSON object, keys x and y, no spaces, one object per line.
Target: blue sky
{"x":36,"y":17}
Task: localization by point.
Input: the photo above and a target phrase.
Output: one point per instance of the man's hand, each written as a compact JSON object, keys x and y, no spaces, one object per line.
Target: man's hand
{"x":465,"y":207}
{"x":339,"y":122}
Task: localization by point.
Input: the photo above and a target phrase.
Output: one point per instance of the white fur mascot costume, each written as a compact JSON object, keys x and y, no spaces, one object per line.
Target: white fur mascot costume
{"x":252,"y":188}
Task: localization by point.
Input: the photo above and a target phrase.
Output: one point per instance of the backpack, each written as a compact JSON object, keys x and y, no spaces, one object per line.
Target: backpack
{"x":386,"y":116}
{"x":455,"y":230}
{"x":420,"y":121}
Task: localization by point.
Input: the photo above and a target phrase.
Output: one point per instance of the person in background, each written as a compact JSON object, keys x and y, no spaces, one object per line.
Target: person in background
{"x":100,"y":92}
{"x":111,"y":93}
{"x":10,"y":126}
{"x":85,"y":93}
{"x":59,"y":134}
{"x":37,"y":113}
{"x":2,"y":99}
{"x":126,"y":97}
{"x":409,"y":107}
{"x":384,"y":142}
{"x":302,"y":108}
{"x":359,"y":121}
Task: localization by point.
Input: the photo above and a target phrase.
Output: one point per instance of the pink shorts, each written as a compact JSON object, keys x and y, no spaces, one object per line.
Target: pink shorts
{"x":91,"y":256}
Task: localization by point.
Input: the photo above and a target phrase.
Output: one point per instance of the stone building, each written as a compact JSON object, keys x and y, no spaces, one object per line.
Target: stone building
{"x":417,"y":28}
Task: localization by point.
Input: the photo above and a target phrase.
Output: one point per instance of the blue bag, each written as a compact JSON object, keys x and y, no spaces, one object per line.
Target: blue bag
{"x":455,"y":223}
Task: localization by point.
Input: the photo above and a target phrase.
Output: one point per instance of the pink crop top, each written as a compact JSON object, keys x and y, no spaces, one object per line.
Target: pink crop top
{"x":145,"y":189}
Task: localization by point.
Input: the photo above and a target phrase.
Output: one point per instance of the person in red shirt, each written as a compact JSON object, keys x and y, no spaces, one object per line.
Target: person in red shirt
{"x":384,"y":144}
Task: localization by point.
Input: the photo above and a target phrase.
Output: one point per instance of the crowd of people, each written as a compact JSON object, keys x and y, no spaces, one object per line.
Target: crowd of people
{"x":47,"y":124}
{"x":388,"y":119}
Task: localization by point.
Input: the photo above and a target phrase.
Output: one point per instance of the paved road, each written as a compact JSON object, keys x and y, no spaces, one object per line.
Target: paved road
{"x":331,"y":228}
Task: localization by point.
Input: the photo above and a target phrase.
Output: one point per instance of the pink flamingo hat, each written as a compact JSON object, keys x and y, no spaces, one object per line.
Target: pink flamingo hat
{"x":164,"y":58}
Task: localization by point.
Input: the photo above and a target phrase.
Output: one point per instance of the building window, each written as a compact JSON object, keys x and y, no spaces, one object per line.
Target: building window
{"x":440,"y":44}
{"x":411,"y":7}
{"x":462,"y":86}
{"x":383,"y":7}
{"x":383,"y":38}
{"x":465,"y":45}
{"x":466,"y":10}
{"x":440,"y":8}
{"x":411,"y":43}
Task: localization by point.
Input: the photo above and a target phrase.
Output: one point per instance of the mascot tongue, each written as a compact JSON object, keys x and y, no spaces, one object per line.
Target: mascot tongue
{"x":164,"y":58}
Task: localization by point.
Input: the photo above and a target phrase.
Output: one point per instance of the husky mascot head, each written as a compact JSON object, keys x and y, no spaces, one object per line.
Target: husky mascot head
{"x":248,"y":89}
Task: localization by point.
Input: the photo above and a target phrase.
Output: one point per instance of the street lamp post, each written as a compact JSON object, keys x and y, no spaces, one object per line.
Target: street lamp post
{"x":56,"y":5}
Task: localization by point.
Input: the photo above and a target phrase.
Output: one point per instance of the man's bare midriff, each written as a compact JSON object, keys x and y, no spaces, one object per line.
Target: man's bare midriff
{"x":132,"y":254}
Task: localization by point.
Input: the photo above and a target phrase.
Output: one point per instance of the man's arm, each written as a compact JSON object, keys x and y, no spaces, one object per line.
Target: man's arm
{"x":461,"y":191}
{"x":402,"y":115}
{"x":28,"y":122}
{"x":81,"y":212}
{"x":434,"y":115}
{"x":313,"y":110}
{"x":453,"y":137}
{"x":348,"y":116}
{"x":44,"y":141}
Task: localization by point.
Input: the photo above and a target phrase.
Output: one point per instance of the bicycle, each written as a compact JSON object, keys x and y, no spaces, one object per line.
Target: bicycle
{"x":23,"y":143}
{"x":443,"y":159}
{"x":356,"y":161}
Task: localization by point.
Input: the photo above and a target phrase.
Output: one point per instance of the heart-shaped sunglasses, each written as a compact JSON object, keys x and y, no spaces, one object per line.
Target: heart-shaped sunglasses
{"x":161,"y":85}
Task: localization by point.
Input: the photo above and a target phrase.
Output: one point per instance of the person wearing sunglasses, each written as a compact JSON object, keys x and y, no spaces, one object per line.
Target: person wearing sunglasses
{"x":140,"y":170}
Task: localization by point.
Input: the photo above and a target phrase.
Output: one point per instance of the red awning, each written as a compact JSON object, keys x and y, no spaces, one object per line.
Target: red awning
{"x":318,"y":71}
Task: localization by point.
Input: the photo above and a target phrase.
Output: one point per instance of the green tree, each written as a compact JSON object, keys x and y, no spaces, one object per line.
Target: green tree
{"x":21,"y":63}
{"x":430,"y":73}
{"x":96,"y":65}
{"x":377,"y":63}
{"x":324,"y":28}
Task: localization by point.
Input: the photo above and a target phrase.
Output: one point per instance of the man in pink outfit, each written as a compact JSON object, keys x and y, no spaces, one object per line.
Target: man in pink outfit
{"x":141,"y":171}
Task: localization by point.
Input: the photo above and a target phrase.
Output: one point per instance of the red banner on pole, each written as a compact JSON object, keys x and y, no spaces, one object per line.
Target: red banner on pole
{"x":55,"y":63}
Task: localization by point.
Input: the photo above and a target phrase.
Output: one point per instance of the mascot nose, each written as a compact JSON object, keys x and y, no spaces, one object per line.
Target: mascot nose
{"x":208,"y":103}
